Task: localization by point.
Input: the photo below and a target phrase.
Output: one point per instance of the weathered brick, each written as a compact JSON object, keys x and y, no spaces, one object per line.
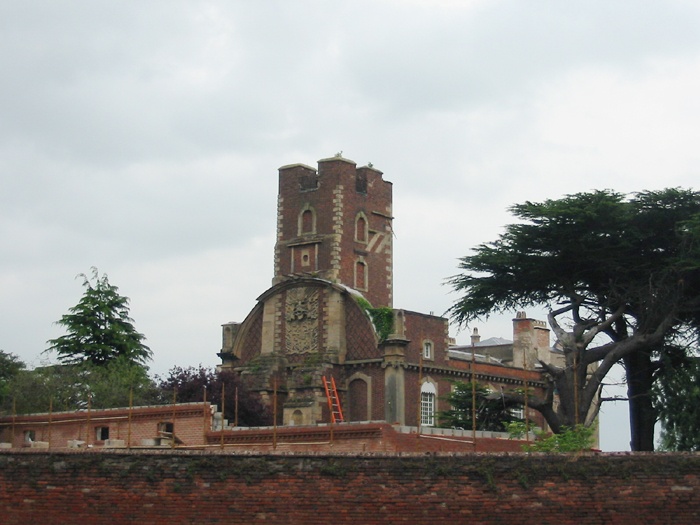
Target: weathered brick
{"x":196,"y":487}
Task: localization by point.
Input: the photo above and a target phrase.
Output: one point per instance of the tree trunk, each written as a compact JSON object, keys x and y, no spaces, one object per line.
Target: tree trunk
{"x":639,"y":371}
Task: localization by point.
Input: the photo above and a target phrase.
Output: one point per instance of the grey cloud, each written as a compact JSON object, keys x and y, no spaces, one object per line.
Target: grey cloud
{"x":440,"y":61}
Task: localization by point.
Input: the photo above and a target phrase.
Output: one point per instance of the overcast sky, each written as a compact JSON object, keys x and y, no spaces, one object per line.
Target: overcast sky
{"x":144,"y":138}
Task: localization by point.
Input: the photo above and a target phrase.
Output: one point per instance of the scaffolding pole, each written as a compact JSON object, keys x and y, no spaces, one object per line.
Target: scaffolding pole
{"x":420,"y":394}
{"x":128,"y":427}
{"x":274,"y":415}
{"x":223,"y":411}
{"x":473,"y":374}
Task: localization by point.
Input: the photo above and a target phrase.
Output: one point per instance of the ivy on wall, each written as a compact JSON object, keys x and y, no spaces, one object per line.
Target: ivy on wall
{"x":382,"y":318}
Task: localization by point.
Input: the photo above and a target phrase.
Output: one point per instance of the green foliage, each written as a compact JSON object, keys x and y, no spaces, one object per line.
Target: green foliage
{"x":382,"y":318}
{"x":677,"y":400}
{"x":10,"y":366}
{"x":60,"y":387}
{"x":364,"y":303}
{"x":113,"y":384}
{"x":540,"y":256}
{"x":72,"y":387}
{"x":493,"y":412}
{"x":574,"y":439}
{"x":99,"y":329}
{"x":585,"y":244}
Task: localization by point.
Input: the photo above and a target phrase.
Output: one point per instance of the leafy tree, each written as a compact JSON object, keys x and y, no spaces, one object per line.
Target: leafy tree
{"x":120,"y":383}
{"x":677,"y":397}
{"x":620,"y":277}
{"x":10,"y":366}
{"x":74,"y":387}
{"x":493,"y":412}
{"x":567,"y":440}
{"x":46,"y":388}
{"x":99,"y":329}
{"x":670,"y":224}
{"x":193,"y":384}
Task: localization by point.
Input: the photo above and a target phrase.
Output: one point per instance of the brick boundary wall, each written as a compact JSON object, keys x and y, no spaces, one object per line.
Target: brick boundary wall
{"x":180,"y":487}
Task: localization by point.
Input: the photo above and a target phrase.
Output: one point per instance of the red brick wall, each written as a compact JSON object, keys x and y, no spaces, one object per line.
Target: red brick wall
{"x":374,"y":374}
{"x":190,"y":421}
{"x":184,"y":488}
{"x":421,"y":327}
{"x":352,"y":438}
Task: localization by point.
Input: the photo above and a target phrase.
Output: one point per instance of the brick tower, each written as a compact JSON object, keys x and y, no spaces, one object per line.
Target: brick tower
{"x":335,"y":223}
{"x":334,"y":244}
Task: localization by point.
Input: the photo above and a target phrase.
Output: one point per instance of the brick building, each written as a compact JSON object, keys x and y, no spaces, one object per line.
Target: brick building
{"x":197,"y":426}
{"x":181,"y":425}
{"x":330,"y":313}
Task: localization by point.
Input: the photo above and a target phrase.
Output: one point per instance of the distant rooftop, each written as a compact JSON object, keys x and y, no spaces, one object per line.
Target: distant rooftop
{"x":491,"y":341}
{"x":494,"y":341}
{"x":463,"y":355}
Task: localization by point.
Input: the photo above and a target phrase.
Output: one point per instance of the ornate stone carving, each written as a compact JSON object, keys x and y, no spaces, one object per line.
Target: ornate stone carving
{"x":301,"y":315}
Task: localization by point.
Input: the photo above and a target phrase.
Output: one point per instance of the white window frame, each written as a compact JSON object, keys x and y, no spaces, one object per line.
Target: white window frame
{"x":428,"y":350}
{"x":428,"y":396}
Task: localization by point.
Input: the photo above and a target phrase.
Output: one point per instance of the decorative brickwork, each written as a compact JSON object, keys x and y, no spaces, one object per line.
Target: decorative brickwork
{"x":251,"y":345}
{"x":361,"y":338}
{"x":301,"y":319}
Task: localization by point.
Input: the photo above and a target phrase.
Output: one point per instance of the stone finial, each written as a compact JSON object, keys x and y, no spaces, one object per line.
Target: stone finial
{"x":476,"y":338}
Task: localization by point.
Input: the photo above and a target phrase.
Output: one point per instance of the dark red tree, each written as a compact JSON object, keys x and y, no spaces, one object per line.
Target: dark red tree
{"x":192,"y":384}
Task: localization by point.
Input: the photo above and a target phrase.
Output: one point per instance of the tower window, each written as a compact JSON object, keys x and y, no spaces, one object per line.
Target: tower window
{"x":307,"y":221}
{"x":308,"y":182}
{"x":361,"y":275}
{"x":361,"y":228}
{"x":361,"y":183}
{"x":427,"y":350}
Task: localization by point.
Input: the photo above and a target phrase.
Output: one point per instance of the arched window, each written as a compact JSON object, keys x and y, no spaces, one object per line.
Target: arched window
{"x":358,"y":409}
{"x":428,"y":394}
{"x":428,"y":350}
{"x":307,"y":221}
{"x":360,"y":275}
{"x":361,"y":232}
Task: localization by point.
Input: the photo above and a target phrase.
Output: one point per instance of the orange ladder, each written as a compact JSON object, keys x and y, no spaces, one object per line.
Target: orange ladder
{"x":333,"y":400}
